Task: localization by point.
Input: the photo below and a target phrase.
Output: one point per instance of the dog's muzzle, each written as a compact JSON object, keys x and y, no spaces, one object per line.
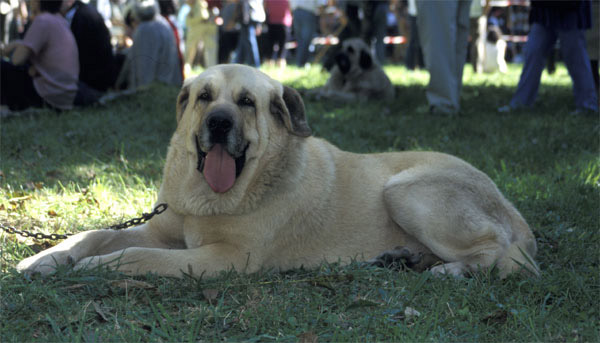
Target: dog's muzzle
{"x":219,"y":165}
{"x":219,"y":125}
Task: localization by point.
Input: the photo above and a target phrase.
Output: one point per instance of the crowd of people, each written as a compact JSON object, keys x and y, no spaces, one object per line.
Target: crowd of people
{"x":65,"y":53}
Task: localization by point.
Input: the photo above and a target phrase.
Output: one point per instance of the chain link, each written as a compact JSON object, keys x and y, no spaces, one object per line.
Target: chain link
{"x":160,"y":208}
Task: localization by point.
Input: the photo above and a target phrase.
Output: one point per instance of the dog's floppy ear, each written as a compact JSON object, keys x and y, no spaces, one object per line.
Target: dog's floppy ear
{"x":365,"y":60}
{"x":343,"y":62}
{"x":182,"y":100}
{"x":290,"y":109}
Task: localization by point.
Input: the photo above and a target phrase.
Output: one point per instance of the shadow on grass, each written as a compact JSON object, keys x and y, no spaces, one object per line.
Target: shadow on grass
{"x":130,"y":135}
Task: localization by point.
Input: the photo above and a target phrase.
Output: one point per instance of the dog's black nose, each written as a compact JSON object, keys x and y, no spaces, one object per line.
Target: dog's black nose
{"x":220,"y":122}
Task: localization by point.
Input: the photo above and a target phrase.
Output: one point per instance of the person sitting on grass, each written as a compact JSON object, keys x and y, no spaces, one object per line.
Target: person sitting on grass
{"x":96,"y":60}
{"x":44,"y":67}
{"x":153,"y":55}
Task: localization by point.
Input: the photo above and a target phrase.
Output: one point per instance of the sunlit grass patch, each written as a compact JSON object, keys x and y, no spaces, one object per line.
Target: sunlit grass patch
{"x":84,"y":169}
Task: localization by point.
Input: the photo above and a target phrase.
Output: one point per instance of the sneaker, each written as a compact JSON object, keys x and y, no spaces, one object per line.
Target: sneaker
{"x":5,"y":112}
{"x":442,"y":111}
{"x":505,"y":109}
{"x":584,"y":111}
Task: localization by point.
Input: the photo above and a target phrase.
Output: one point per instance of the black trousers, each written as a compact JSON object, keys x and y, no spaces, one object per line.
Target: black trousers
{"x":16,"y":88}
{"x":18,"y":93}
{"x":278,"y":34}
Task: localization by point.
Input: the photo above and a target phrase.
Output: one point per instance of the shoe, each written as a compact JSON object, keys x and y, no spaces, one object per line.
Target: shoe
{"x":584,"y":111}
{"x":5,"y":112}
{"x":505,"y":109}
{"x":441,"y":111}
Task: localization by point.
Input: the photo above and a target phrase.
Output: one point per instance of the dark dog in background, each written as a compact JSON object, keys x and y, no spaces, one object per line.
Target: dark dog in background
{"x":356,"y":75}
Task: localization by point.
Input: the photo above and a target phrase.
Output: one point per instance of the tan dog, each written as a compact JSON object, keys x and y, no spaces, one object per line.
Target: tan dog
{"x":356,"y":76}
{"x":248,"y":188}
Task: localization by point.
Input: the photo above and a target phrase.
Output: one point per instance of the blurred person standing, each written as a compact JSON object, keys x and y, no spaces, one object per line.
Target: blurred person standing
{"x":332,"y":20}
{"x":252,"y":16}
{"x":229,"y":31}
{"x":305,"y":20}
{"x":168,"y":9}
{"x":414,"y":54}
{"x":557,"y":20}
{"x":153,"y":55}
{"x":332,"y":23}
{"x":104,"y":8}
{"x":377,"y":11}
{"x":444,"y":31}
{"x":201,"y":32}
{"x":182,"y":13}
{"x":592,"y":37}
{"x":44,"y":66}
{"x":477,"y":32}
{"x":14,"y":18}
{"x":279,"y":21}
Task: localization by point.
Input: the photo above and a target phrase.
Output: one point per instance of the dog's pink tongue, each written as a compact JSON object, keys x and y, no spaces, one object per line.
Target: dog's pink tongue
{"x":219,"y":169}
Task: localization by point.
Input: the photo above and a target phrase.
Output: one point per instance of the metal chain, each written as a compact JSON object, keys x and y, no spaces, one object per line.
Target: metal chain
{"x":160,"y":208}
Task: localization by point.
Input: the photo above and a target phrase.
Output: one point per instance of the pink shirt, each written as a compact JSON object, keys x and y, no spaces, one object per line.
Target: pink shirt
{"x":278,"y":12}
{"x":55,"y":58}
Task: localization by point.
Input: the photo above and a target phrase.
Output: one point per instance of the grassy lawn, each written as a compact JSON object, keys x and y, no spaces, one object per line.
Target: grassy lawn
{"x":85,"y":169}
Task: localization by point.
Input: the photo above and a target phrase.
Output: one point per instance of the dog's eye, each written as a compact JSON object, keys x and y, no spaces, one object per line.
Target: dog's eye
{"x":204,"y":96}
{"x":246,"y":101}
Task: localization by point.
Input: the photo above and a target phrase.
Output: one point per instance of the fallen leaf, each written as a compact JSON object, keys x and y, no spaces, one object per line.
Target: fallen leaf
{"x":308,"y":337}
{"x":210,"y":295}
{"x":19,"y":199}
{"x":361,"y":302}
{"x":99,"y":311}
{"x":411,"y":312}
{"x":75,"y":286}
{"x":52,"y":213}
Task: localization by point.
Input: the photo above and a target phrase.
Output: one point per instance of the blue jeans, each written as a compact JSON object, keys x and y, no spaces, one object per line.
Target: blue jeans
{"x":379,"y":29}
{"x":540,"y":41}
{"x":305,"y":28}
{"x":246,"y":51}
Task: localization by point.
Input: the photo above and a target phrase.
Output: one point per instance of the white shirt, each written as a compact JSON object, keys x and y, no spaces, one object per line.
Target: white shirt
{"x":493,"y":58}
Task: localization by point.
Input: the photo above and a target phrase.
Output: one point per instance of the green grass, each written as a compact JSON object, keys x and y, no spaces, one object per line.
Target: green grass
{"x":91,"y":168}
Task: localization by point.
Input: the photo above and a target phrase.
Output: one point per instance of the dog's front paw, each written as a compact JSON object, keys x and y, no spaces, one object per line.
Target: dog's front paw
{"x":45,"y":263}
